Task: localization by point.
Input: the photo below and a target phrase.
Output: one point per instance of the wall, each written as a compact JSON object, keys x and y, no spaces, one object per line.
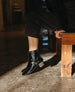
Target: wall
{"x":1,"y":16}
{"x":10,"y":7}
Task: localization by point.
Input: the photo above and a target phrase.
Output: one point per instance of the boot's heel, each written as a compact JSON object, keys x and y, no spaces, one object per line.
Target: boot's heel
{"x":41,"y":64}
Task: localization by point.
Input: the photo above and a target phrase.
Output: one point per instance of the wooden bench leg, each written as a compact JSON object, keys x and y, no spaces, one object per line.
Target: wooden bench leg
{"x":58,"y":47}
{"x":66,"y":58}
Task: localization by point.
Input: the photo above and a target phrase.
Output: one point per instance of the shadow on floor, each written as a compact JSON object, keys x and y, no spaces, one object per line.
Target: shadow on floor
{"x":13,"y":50}
{"x":51,"y":62}
{"x":54,"y":61}
{"x":9,"y":65}
{"x":73,"y":68}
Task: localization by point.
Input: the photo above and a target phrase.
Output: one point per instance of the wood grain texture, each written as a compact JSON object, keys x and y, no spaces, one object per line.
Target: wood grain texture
{"x":68,"y":38}
{"x":66,"y":58}
{"x":68,"y":35}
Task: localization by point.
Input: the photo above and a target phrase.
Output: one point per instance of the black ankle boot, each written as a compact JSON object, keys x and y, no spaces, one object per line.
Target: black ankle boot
{"x":34,"y":60}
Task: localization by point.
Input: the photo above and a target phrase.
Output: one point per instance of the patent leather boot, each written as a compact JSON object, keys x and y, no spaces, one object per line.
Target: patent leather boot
{"x":34,"y":61}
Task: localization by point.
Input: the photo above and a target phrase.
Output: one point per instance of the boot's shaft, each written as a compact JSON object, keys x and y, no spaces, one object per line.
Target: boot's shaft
{"x":34,"y":56}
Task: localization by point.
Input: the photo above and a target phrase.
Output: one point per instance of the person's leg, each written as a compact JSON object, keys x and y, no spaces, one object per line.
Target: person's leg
{"x":32,"y":29}
{"x":33,"y":43}
{"x":34,"y":59}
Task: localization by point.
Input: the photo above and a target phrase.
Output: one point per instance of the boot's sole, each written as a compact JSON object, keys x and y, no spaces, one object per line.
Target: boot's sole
{"x":41,"y":64}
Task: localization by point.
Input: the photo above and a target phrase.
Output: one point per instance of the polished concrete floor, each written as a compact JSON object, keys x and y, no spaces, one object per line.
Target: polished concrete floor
{"x":13,"y":58}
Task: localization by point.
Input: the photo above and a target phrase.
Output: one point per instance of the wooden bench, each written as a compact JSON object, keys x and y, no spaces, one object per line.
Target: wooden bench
{"x":67,"y":40}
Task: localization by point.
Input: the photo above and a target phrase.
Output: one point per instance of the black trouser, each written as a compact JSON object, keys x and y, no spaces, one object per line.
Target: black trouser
{"x":35,"y":20}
